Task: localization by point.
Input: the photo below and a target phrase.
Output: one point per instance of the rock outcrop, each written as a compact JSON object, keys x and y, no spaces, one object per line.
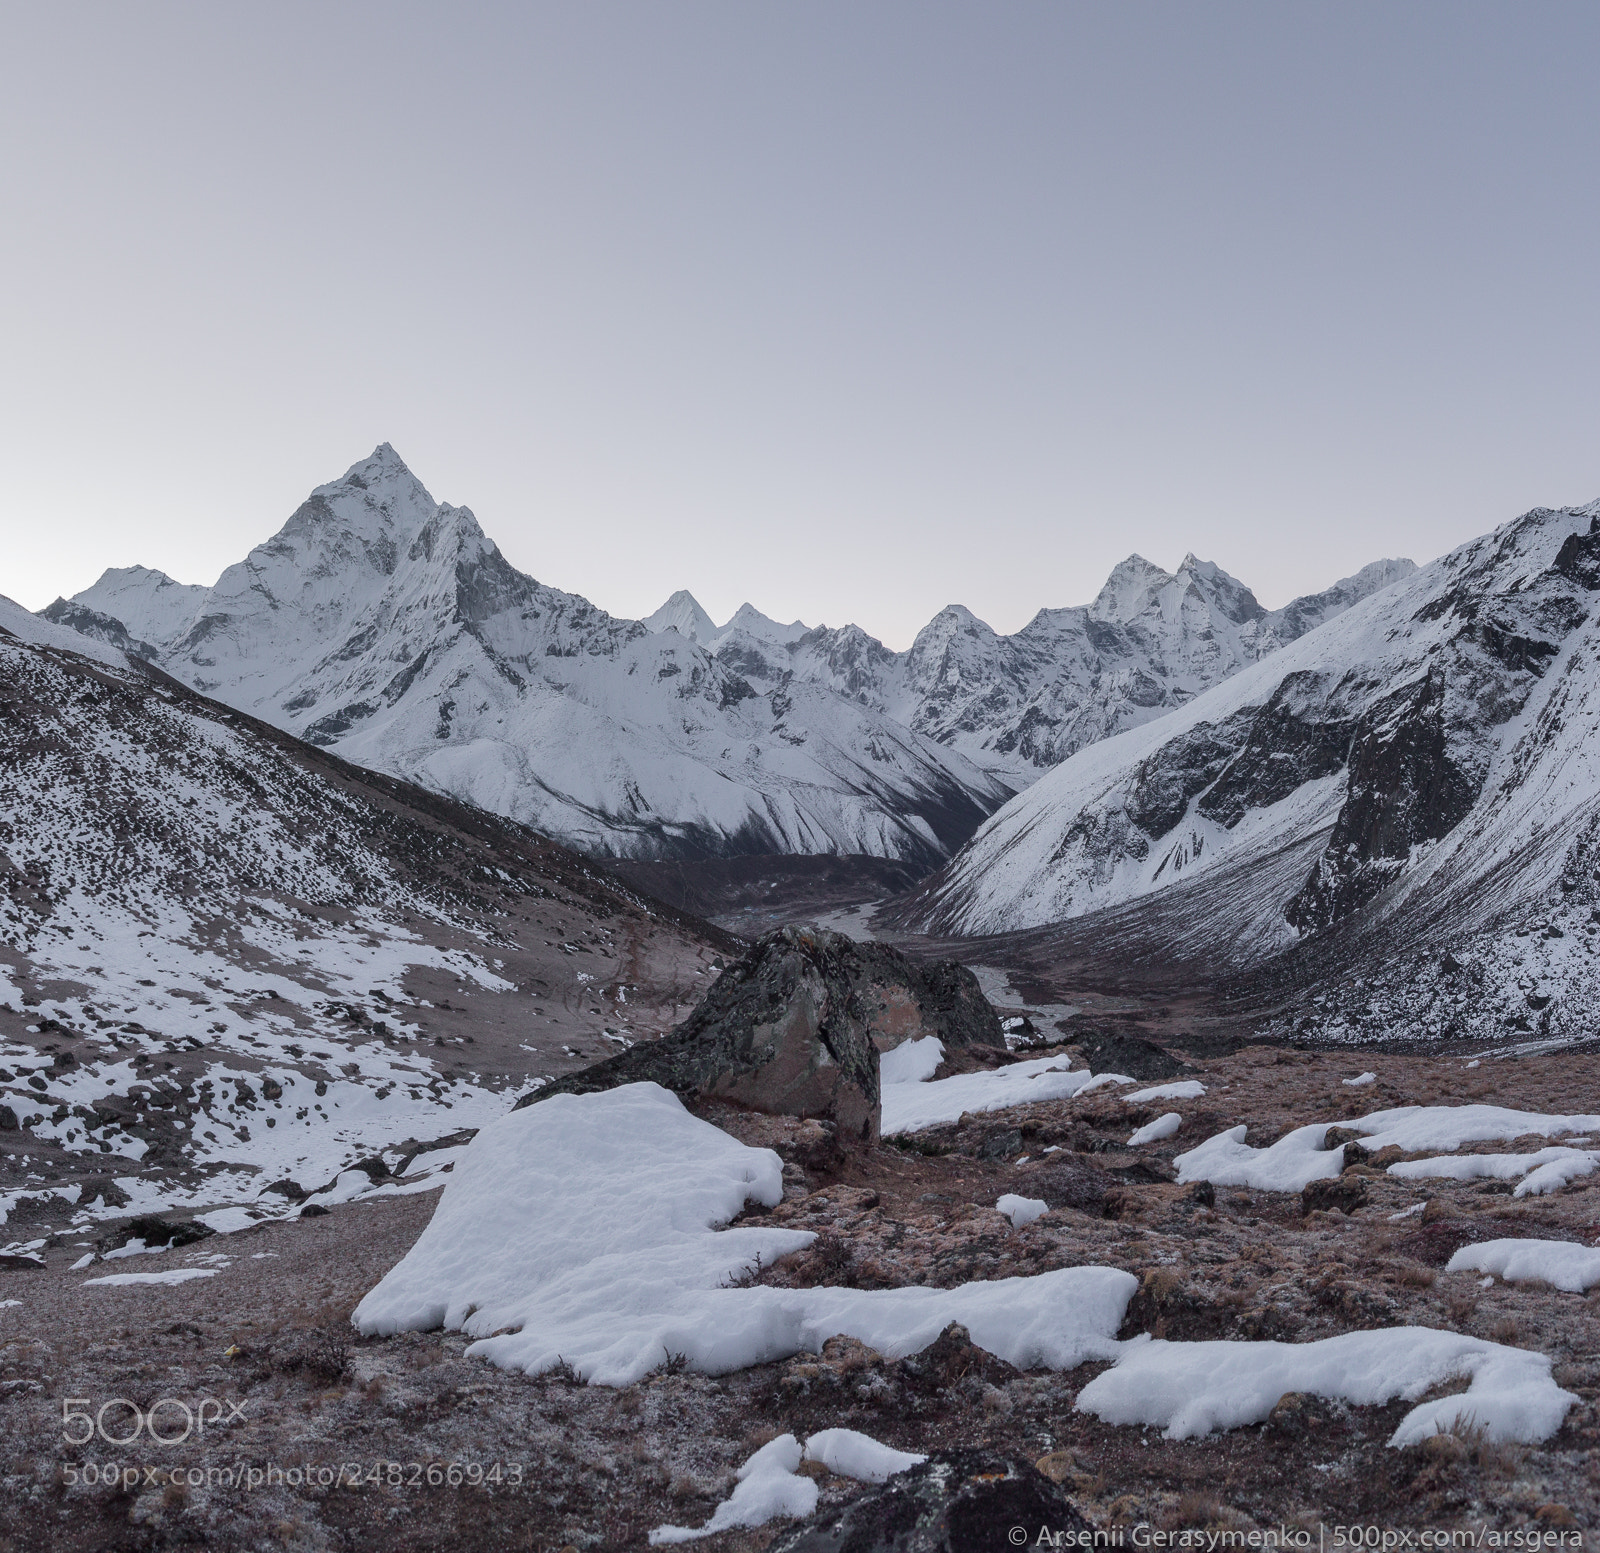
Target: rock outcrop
{"x":795,"y":1028}
{"x":952,"y":1502}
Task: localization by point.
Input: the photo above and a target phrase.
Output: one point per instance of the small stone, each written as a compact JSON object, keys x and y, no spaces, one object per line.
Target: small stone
{"x":1298,"y":1413}
{"x":1001,"y":1145}
{"x":1344,"y":1193}
{"x":1553,"y":1514}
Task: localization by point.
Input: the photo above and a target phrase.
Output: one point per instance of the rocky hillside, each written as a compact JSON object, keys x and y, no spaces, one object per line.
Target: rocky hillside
{"x":229,"y":960}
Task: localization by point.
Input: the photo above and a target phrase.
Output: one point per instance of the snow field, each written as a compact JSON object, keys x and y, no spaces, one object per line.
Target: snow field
{"x":589,"y":1229}
{"x":588,"y":1222}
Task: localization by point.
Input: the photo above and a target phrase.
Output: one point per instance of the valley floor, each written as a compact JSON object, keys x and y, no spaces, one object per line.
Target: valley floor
{"x":322,"y":1440}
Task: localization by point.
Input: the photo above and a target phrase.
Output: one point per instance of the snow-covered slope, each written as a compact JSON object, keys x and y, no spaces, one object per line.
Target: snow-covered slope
{"x":1432,"y":752}
{"x":39,"y":631}
{"x":386,"y":626}
{"x":1017,"y":705}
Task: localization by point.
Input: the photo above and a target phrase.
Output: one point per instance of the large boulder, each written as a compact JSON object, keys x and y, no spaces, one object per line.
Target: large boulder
{"x":954,"y":1502}
{"x":795,"y":1027}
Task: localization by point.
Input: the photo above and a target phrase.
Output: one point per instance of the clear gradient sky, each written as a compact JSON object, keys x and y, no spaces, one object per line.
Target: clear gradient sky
{"x":853,"y":310}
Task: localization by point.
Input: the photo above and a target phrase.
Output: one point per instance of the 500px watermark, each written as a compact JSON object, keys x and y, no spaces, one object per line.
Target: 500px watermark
{"x":166,"y":1422}
{"x":310,"y":1474}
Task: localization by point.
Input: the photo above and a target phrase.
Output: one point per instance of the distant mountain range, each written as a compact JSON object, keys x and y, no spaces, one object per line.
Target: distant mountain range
{"x":386,"y":627}
{"x":1017,"y":705}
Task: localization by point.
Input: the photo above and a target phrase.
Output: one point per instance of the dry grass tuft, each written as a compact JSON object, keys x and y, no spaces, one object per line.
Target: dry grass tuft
{"x":1196,"y":1509}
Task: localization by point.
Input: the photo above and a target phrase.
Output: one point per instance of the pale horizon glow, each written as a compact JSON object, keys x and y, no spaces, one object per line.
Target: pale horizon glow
{"x":850,"y":313}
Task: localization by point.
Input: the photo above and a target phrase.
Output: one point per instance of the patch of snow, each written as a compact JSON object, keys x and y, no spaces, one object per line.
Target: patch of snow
{"x":1546,"y":1170}
{"x":1022,"y":1210}
{"x":133,"y":1248}
{"x":1161,"y":1127}
{"x":1190,"y":1389}
{"x":768,"y":1487}
{"x":908,"y":1107}
{"x":850,"y":1454}
{"x":1104,"y":1080}
{"x":1558,"y":1263}
{"x":171,"y":1275}
{"x":1185,"y":1089}
{"x":911,"y":1062}
{"x":769,"y":1484}
{"x":1299,"y":1156}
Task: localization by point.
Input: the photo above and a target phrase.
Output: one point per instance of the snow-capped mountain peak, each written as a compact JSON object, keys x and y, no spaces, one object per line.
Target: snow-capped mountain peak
{"x":388,"y":627}
{"x":148,"y":604}
{"x":682,"y":613}
{"x":1129,"y":590}
{"x":752,"y":622}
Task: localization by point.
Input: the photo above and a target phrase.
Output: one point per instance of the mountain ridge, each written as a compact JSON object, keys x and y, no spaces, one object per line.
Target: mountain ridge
{"x":388,"y":626}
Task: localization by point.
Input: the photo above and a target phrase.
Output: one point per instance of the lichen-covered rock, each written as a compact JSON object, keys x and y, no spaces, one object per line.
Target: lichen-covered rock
{"x":954,"y":1502}
{"x":795,"y":1028}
